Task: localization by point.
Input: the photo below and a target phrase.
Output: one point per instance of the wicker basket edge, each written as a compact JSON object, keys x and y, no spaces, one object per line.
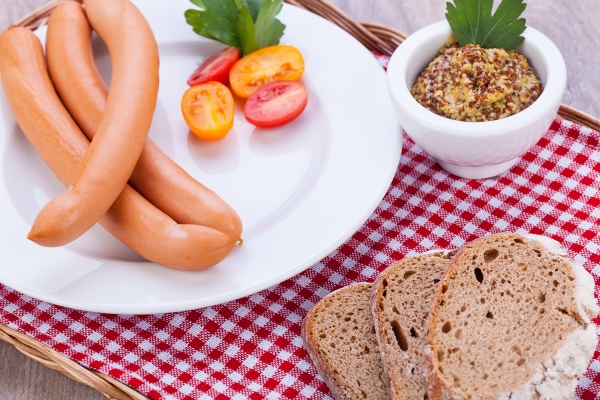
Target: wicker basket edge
{"x":376,"y":37}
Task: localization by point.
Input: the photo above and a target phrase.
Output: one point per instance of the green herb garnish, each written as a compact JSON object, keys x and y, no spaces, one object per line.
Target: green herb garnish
{"x":472,"y":22}
{"x":248,"y":25}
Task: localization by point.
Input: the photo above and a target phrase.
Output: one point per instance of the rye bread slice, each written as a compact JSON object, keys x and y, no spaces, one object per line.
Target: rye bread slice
{"x":511,"y":320}
{"x":401,"y":300}
{"x":339,"y":336}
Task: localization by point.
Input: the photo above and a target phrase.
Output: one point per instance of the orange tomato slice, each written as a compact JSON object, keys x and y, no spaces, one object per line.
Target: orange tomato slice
{"x":207,"y":109}
{"x":263,"y":66}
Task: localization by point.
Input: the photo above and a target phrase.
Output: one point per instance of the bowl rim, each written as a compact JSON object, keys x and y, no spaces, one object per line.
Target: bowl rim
{"x":551,"y":95}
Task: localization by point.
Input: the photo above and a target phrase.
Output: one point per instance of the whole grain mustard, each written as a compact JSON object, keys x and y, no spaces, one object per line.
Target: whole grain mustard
{"x":474,"y":84}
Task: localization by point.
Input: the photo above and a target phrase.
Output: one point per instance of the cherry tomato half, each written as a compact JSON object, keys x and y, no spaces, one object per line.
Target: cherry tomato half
{"x":207,"y":109}
{"x":275,"y":104}
{"x":216,"y":67}
{"x":266,"y":65}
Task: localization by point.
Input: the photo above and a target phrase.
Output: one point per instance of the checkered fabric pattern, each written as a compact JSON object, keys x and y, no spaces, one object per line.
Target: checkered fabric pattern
{"x":251,"y":348}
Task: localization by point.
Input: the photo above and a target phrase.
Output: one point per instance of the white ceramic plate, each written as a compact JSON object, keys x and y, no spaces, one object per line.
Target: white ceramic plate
{"x":301,"y":190}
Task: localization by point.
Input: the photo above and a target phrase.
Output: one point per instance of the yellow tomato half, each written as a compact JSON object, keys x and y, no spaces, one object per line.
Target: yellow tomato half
{"x":207,"y":109}
{"x":263,"y":66}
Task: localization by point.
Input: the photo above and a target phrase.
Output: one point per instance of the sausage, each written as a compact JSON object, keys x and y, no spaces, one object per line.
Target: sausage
{"x":121,"y":134}
{"x":156,"y":177}
{"x":62,"y":146}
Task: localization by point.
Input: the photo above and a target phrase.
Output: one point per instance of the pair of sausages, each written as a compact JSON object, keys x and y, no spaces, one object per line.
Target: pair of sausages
{"x":173,"y":220}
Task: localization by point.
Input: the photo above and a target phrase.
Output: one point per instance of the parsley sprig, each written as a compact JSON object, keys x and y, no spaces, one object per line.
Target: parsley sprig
{"x":472,"y":22}
{"x":248,"y":25}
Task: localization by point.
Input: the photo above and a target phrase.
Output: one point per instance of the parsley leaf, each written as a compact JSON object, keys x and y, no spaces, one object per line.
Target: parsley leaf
{"x":246,"y":24}
{"x":254,"y":7}
{"x":198,"y":3}
{"x":268,"y":27}
{"x":472,"y":22}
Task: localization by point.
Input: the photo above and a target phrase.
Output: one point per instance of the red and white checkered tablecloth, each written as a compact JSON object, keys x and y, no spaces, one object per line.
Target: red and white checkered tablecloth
{"x":251,"y":348}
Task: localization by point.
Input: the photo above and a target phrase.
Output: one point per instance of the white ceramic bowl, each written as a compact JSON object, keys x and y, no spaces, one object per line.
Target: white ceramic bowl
{"x":475,"y":149}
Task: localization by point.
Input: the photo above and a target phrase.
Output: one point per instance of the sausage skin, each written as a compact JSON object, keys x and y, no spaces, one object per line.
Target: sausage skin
{"x":159,"y":179}
{"x":62,"y":146}
{"x":112,"y":155}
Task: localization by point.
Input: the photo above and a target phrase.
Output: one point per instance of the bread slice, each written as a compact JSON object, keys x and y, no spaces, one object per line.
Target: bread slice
{"x":401,"y":300}
{"x":339,"y":336}
{"x":511,"y":320}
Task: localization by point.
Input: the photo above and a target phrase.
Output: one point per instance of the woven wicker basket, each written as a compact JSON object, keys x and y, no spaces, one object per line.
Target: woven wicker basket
{"x":375,"y":37}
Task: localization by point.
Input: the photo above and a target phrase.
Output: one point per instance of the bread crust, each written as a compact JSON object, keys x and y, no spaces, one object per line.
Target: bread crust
{"x":342,"y":387}
{"x":400,"y":302}
{"x":553,"y":378}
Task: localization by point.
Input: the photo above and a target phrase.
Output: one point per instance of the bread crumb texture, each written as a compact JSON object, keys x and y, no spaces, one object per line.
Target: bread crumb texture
{"x":339,"y":336}
{"x":401,"y":300}
{"x":507,"y":323}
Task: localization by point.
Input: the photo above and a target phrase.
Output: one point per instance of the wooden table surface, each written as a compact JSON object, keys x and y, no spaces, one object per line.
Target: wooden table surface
{"x":572,"y":25}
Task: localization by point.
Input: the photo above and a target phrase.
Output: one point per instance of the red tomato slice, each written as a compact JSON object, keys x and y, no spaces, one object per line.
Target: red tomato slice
{"x":263,"y":66}
{"x":216,"y":67}
{"x":207,"y":109}
{"x":275,"y":104}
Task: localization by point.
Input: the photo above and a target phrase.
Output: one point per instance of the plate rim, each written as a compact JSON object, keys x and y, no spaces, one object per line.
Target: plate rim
{"x":160,"y":307}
